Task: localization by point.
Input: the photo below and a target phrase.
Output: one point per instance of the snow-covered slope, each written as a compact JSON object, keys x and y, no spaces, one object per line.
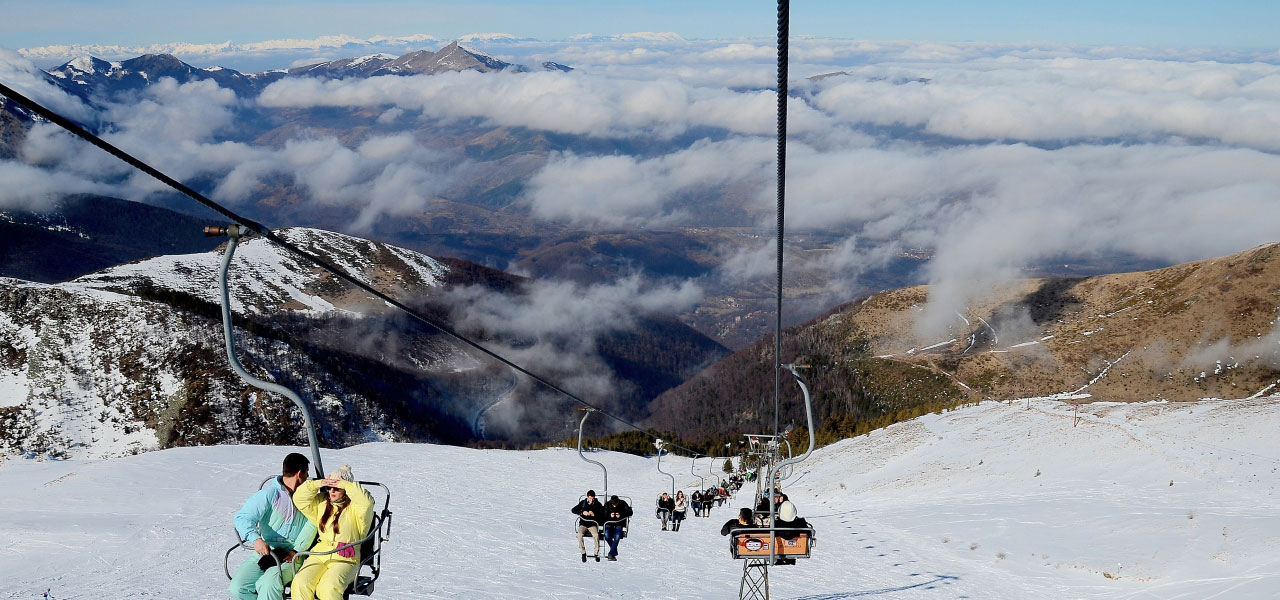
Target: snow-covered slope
{"x":995,"y":501}
{"x":130,"y":358}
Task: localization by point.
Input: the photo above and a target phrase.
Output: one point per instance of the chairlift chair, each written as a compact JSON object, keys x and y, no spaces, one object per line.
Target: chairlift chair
{"x":370,"y":548}
{"x":380,"y":528}
{"x":626,"y":523}
{"x":769,"y":543}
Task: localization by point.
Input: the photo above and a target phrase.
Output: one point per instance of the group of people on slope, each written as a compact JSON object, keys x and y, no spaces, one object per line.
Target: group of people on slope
{"x":295,"y":514}
{"x":592,"y":516}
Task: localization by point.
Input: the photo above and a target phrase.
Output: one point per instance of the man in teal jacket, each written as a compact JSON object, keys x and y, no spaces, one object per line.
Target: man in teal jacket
{"x":274,"y":526}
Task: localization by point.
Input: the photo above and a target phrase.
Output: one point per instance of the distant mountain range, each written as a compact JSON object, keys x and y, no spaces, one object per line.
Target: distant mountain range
{"x":88,"y":77}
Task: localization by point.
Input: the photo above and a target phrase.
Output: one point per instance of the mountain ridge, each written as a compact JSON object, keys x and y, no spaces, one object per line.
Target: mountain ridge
{"x":1202,"y":329}
{"x":130,"y":358}
{"x":88,"y":77}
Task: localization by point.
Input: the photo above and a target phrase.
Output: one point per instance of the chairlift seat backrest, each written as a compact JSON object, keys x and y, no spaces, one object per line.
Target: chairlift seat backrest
{"x":758,"y":544}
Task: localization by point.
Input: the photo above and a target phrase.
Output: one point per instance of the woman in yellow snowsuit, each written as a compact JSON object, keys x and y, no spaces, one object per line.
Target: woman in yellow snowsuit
{"x":342,"y":512}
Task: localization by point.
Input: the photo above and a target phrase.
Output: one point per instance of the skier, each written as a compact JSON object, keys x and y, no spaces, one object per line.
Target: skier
{"x":590,"y":514}
{"x":616,"y":511}
{"x":269,"y":520}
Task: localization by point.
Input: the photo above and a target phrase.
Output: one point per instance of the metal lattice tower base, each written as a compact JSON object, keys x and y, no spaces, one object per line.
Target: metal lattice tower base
{"x":755,"y":579}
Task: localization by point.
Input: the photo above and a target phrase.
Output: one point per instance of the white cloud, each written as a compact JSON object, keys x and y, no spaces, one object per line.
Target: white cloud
{"x":28,"y":188}
{"x":741,"y":51}
{"x":569,"y":103}
{"x":749,"y":264}
{"x":23,"y":77}
{"x":173,"y":127}
{"x":168,"y":111}
{"x":486,"y":37}
{"x":389,"y":116}
{"x":564,"y":313}
{"x":1065,"y":99}
{"x":554,"y":325}
{"x":621,"y":191}
{"x":1098,"y":152}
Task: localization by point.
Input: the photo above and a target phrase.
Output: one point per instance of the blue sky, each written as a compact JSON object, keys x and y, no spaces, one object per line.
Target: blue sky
{"x":1242,"y":23}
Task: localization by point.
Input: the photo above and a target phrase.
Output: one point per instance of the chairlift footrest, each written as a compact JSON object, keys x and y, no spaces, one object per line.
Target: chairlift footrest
{"x":363,"y":586}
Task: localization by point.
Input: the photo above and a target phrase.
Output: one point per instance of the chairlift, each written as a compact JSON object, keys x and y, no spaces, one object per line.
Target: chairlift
{"x":370,"y":548}
{"x":703,"y":505}
{"x":658,"y":443}
{"x":626,"y":523}
{"x":790,"y":470}
{"x":719,"y":482}
{"x":380,"y":529}
{"x":766,"y":544}
{"x":702,"y":481}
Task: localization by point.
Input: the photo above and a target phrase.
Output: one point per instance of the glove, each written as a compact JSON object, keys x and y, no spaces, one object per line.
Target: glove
{"x":268,"y":561}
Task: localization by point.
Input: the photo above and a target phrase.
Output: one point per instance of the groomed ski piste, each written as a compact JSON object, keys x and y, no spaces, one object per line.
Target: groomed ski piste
{"x":1003,"y":500}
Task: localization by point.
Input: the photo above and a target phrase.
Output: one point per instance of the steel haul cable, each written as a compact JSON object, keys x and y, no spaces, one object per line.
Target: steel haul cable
{"x":784,"y":28}
{"x":259,"y":229}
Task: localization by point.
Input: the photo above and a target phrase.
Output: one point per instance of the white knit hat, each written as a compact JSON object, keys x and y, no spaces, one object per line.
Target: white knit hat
{"x":787,"y":512}
{"x":343,"y":472}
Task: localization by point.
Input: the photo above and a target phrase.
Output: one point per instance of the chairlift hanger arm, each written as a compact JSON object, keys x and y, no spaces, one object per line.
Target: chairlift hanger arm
{"x":659,"y":444}
{"x":580,"y":455}
{"x":808,"y":410}
{"x":234,"y":233}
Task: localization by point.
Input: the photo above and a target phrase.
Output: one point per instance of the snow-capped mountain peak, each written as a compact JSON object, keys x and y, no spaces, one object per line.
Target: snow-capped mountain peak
{"x":266,"y":277}
{"x":84,"y":64}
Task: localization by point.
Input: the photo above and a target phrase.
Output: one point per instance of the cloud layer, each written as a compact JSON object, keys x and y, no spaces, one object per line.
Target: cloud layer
{"x":992,"y":156}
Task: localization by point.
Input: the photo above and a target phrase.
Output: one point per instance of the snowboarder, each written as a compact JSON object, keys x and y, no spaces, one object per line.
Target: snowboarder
{"x":590,"y":514}
{"x":277,"y":531}
{"x":342,"y":511}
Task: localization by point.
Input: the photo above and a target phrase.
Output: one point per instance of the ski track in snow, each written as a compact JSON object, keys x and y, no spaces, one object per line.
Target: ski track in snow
{"x":988,"y":502}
